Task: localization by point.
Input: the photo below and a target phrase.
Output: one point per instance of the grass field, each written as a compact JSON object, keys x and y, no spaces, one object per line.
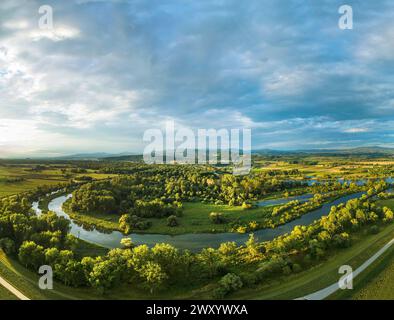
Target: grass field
{"x":6,"y":295}
{"x":374,"y":283}
{"x":387,"y":203}
{"x":195,"y":219}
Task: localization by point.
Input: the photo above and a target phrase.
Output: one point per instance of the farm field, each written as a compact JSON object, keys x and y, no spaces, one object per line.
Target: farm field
{"x":325,"y":169}
{"x":16,"y":179}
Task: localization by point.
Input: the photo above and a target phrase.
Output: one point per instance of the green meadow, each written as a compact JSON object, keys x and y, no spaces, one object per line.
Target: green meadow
{"x":194,"y":219}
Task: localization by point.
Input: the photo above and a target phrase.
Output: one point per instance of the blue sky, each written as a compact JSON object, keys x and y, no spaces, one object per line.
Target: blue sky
{"x":111,"y":69}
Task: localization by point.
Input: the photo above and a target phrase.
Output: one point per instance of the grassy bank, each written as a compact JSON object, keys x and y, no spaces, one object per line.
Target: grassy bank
{"x":374,"y":283}
{"x":325,"y":273}
{"x":377,"y":281}
{"x":6,"y":295}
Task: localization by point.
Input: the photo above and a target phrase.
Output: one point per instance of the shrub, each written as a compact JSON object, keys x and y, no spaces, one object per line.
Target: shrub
{"x":128,"y":223}
{"x":253,"y":225}
{"x":219,"y":293}
{"x":246,"y":206}
{"x":374,"y":230}
{"x":242,"y":229}
{"x":127,"y":243}
{"x":229,"y":283}
{"x":341,"y":240}
{"x":8,"y":245}
{"x":217,"y":217}
{"x":172,"y":221}
{"x":275,"y":265}
{"x":249,"y":279}
{"x":286,"y":270}
{"x":296,"y":268}
{"x":388,"y":215}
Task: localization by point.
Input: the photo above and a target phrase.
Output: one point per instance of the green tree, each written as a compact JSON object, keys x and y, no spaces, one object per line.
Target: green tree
{"x":31,"y":255}
{"x":153,"y":276}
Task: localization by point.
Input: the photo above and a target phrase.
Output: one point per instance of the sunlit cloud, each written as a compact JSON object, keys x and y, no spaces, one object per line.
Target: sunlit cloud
{"x":356,"y":130}
{"x":57,"y":34}
{"x":109,"y":70}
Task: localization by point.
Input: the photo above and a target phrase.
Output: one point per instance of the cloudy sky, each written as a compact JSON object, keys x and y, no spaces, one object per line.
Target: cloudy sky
{"x":109,"y":70}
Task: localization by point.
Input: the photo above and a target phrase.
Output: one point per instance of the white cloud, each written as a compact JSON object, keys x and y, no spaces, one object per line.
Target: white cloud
{"x":290,"y":82}
{"x":377,"y":44}
{"x":356,"y":130}
{"x":16,"y":24}
{"x":58,"y":33}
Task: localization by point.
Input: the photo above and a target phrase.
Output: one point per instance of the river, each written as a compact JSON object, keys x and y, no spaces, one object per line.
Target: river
{"x":192,"y":241}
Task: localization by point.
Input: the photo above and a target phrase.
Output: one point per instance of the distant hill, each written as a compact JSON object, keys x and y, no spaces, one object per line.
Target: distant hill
{"x":273,"y":152}
{"x":374,"y":151}
{"x":355,"y":151}
{"x":130,"y":157}
{"x":91,"y":156}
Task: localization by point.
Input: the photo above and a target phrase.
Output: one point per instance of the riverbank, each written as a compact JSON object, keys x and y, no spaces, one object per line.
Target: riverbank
{"x":195,"y":218}
{"x":191,"y":241}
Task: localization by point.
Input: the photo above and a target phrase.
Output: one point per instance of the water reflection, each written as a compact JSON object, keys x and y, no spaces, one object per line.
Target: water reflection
{"x":191,"y":241}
